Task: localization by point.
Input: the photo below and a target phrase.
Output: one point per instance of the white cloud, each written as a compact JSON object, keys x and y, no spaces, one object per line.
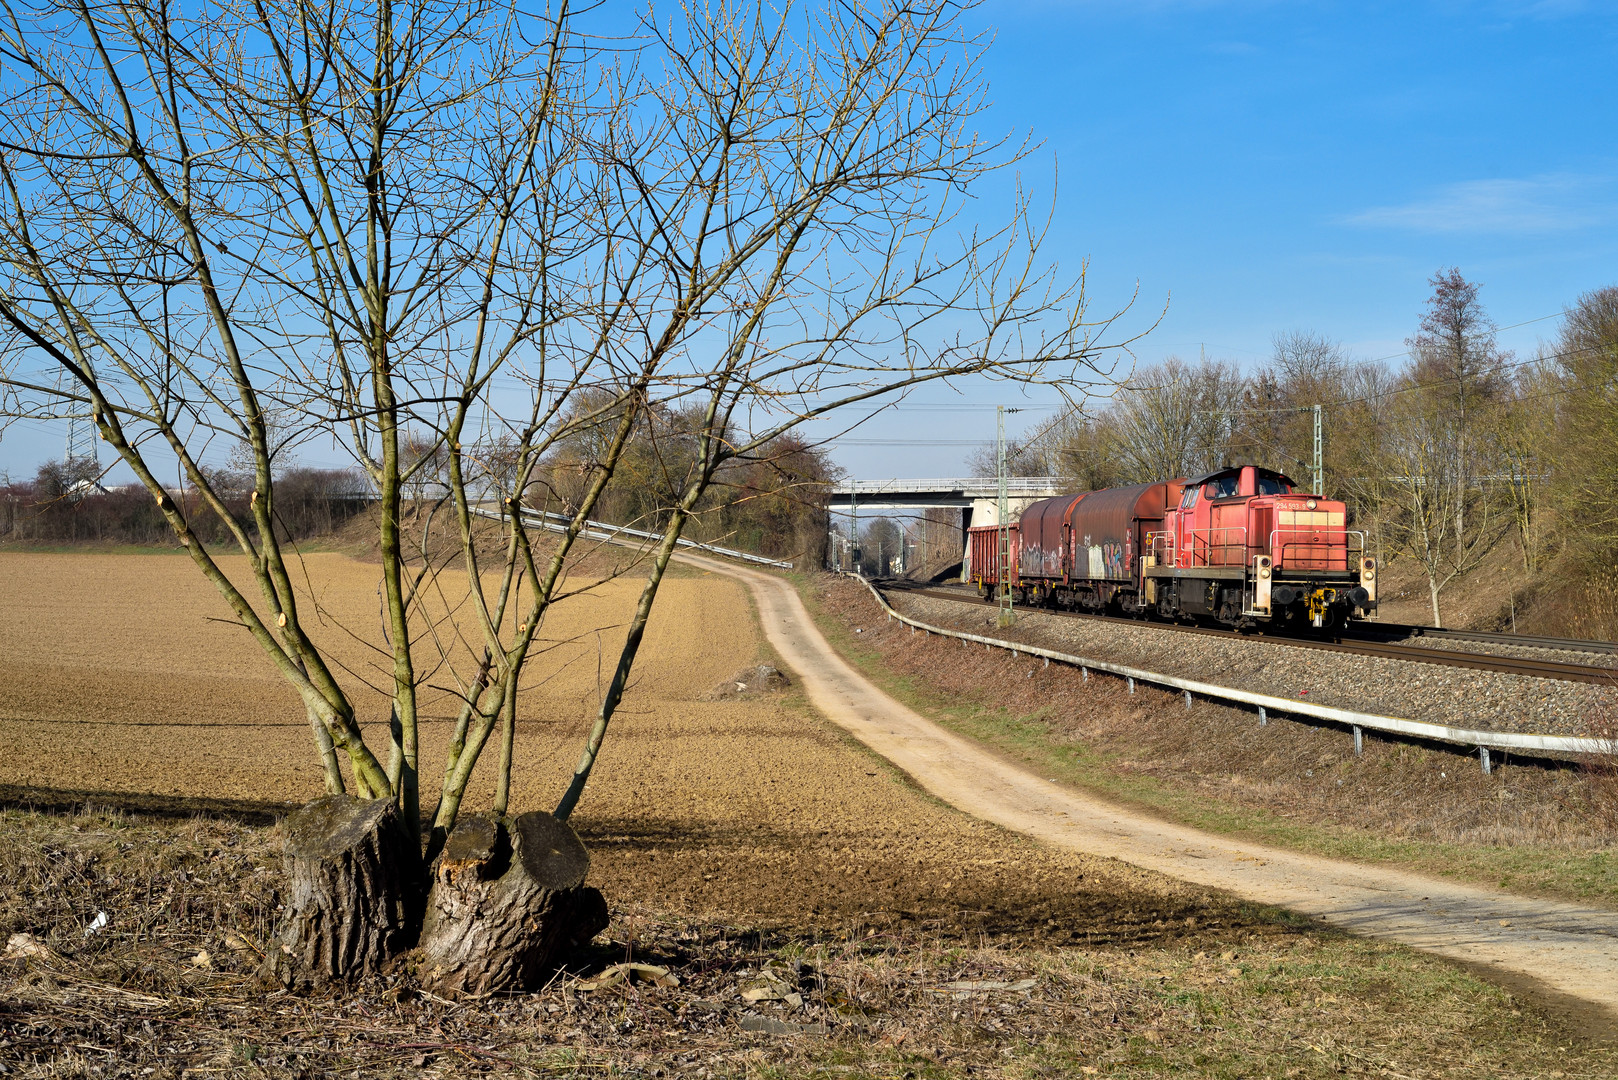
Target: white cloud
{"x":1534,"y":205}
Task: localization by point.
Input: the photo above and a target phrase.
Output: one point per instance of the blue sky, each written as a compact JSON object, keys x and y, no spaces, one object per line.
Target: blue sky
{"x":1302,"y":164}
{"x":1273,"y":166}
{"x":1269,"y":166}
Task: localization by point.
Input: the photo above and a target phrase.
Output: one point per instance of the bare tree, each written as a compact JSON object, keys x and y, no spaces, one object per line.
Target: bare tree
{"x":1275,"y":424}
{"x":1586,"y":449}
{"x":1520,"y":442}
{"x":1175,"y":419}
{"x":1024,"y":457}
{"x":1455,"y":349}
{"x":802,"y":251}
{"x":1433,"y":505}
{"x":467,"y":242}
{"x":1357,"y":449}
{"x":1304,"y":360}
{"x":1082,"y":446}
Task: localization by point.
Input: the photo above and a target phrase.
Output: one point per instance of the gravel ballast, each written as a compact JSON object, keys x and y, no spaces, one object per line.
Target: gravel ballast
{"x":1459,"y":697}
{"x":1587,"y":658}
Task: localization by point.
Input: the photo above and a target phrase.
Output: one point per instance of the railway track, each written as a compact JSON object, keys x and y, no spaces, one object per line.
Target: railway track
{"x":1402,"y":630}
{"x":1372,"y":644}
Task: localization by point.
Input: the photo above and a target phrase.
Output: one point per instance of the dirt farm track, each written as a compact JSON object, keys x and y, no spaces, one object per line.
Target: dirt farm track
{"x":117,"y":679}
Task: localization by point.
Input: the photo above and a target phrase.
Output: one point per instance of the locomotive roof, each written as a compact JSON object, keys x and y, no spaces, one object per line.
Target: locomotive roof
{"x":1228,"y":469}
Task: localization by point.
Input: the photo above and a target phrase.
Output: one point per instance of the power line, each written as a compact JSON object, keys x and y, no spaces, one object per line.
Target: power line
{"x":908,"y":442}
{"x":1513,"y":326}
{"x":1537,"y":358}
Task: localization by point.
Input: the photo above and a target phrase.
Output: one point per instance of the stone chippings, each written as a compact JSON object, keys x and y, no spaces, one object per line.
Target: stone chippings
{"x":1521,"y":652}
{"x":1460,"y":697}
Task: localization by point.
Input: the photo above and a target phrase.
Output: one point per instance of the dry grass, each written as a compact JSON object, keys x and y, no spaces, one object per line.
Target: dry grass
{"x":138,"y":998}
{"x":1603,"y":771}
{"x":1573,"y":601}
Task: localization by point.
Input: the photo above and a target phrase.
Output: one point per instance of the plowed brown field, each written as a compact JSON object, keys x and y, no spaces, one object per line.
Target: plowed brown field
{"x":122,"y":674}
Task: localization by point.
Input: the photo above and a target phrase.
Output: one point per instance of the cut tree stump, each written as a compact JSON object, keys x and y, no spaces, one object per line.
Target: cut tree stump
{"x":355,"y":891}
{"x":508,"y":901}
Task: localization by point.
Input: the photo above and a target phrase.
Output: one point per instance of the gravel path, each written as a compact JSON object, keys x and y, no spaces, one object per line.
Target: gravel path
{"x":1414,"y":691}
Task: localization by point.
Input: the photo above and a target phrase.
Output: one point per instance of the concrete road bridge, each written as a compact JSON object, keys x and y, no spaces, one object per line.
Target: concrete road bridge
{"x":976,"y":497}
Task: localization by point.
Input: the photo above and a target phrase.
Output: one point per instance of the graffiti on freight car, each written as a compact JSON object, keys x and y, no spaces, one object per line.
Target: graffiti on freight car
{"x":1108,"y":560}
{"x":1113,"y":557}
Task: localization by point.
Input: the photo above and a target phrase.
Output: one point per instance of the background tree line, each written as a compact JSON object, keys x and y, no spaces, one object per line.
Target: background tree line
{"x":66,"y":503}
{"x":1460,"y":447}
{"x":770,"y":501}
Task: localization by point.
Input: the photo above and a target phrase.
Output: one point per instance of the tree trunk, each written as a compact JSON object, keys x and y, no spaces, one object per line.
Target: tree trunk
{"x":355,"y":891}
{"x":506,"y":904}
{"x":1432,"y":590}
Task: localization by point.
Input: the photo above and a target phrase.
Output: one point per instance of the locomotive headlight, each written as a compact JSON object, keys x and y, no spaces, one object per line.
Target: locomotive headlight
{"x":1311,"y":504}
{"x":1264,"y":571}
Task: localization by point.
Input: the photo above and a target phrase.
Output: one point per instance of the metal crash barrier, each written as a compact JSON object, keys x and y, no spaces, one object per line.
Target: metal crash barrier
{"x":1269,"y":705}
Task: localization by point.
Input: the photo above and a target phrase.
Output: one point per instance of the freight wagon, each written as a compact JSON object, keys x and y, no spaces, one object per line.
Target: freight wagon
{"x":1239,"y":546}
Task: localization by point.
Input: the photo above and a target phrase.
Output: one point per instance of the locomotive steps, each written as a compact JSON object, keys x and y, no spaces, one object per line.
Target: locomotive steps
{"x":1568,"y":949}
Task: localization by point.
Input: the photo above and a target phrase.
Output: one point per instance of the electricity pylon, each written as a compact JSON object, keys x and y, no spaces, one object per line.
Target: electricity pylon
{"x":81,"y":433}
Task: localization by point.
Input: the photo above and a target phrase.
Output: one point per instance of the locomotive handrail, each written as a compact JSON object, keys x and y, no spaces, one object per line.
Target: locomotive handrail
{"x":1277,"y":552}
{"x":1155,"y":540}
{"x":1208,"y":545}
{"x":1154,"y":544}
{"x":1421,"y":729}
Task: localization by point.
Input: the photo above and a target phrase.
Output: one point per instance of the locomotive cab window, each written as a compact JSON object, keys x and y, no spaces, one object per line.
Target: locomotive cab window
{"x":1190,"y":499}
{"x":1224,"y":487}
{"x":1272,"y":485}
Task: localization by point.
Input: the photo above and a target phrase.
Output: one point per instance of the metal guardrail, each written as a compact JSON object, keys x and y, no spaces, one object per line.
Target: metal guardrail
{"x":595,"y":530}
{"x":1266,"y":703}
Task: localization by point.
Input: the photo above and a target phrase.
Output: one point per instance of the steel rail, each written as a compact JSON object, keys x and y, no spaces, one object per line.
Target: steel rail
{"x":1527,"y":641}
{"x":1417,"y":654}
{"x":1483,"y":740}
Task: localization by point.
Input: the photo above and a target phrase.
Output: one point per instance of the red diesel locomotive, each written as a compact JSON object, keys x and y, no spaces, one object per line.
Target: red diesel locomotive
{"x":1239,"y":546}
